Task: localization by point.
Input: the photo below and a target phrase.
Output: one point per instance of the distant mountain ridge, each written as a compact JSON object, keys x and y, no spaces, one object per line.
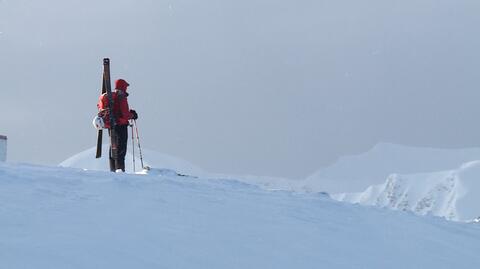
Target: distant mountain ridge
{"x":451,"y":194}
{"x":357,"y":172}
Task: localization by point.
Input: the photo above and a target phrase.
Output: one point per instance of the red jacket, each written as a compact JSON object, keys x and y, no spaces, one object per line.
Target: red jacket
{"x":121,"y":111}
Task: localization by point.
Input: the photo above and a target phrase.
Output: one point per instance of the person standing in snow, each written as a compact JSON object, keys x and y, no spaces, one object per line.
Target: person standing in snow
{"x":122,"y":114}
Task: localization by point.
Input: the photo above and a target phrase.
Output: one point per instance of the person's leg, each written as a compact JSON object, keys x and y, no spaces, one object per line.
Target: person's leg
{"x":122,"y":136}
{"x":110,"y":157}
{"x":111,"y":161}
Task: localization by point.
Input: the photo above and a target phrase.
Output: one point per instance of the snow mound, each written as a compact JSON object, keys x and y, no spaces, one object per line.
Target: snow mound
{"x":451,"y":194}
{"x":86,"y":160}
{"x":356,"y":173}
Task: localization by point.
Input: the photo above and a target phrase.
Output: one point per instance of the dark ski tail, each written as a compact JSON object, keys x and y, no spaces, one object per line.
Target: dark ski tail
{"x":99,"y":144}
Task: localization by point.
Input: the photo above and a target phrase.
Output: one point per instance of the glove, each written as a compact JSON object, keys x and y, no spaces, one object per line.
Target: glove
{"x":134,"y":114}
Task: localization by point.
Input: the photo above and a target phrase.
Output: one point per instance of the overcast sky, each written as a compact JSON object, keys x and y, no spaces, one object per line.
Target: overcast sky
{"x":264,"y":87}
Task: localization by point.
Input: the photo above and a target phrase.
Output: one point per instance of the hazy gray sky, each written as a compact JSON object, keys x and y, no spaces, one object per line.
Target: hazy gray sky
{"x":266,"y":87}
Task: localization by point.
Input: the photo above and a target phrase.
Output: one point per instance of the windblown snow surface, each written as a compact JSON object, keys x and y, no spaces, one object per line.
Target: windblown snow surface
{"x":54,"y":217}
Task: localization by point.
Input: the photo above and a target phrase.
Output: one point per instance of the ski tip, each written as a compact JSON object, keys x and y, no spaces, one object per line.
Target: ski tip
{"x":106,"y":60}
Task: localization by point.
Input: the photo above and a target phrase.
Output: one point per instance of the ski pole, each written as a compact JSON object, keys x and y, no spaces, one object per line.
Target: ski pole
{"x":133,"y":148}
{"x":138,"y":142}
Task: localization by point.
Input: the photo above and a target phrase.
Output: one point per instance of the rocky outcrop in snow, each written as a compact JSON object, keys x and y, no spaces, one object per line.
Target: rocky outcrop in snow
{"x":3,"y":148}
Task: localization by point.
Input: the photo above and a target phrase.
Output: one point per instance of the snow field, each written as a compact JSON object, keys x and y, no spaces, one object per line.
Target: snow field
{"x":69,"y":218}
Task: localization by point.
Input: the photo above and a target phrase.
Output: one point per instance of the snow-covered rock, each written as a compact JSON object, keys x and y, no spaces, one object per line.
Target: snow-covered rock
{"x":3,"y":148}
{"x":53,"y":217}
{"x":356,"y":173}
{"x":451,"y":194}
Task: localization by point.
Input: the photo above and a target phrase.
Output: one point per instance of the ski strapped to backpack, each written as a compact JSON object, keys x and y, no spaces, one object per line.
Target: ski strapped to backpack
{"x":107,"y":89}
{"x":99,"y":123}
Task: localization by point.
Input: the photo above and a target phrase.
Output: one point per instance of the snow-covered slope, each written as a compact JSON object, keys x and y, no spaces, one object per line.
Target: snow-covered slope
{"x":356,"y":173}
{"x":451,"y":194}
{"x":52,"y":217}
{"x":86,"y":160}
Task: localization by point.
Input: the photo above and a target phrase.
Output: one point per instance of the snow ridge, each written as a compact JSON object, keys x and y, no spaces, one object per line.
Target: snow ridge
{"x":355,"y":173}
{"x":440,"y":194}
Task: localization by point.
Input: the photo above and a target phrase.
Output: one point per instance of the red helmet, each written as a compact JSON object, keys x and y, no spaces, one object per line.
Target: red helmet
{"x":121,"y":84}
